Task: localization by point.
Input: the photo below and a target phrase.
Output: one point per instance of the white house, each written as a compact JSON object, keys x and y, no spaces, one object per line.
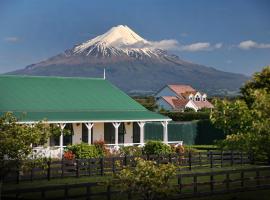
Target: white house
{"x":92,"y":108}
{"x":179,"y":97}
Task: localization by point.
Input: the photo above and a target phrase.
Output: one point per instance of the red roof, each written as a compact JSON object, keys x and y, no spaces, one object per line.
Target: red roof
{"x":176,"y":102}
{"x":203,"y":104}
{"x":180,"y":89}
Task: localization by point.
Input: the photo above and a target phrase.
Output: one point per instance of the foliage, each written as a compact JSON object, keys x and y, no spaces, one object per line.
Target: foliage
{"x":247,"y":121}
{"x":55,"y":130}
{"x":16,"y":140}
{"x":83,"y":151}
{"x":156,"y":147}
{"x":69,"y":155}
{"x":259,"y":81}
{"x":179,"y":149}
{"x":149,"y":180}
{"x":186,"y":116}
{"x":148,"y":102}
{"x":202,"y":147}
{"x":101,"y":148}
{"x":232,"y":117}
{"x":189,"y":110}
{"x":130,"y":151}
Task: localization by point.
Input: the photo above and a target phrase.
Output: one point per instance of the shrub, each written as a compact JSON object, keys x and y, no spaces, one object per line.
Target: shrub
{"x":156,"y":147}
{"x":148,"y":180}
{"x":101,"y":148}
{"x":68,"y":155}
{"x":187,"y":116}
{"x":84,"y":150}
{"x":130,"y":151}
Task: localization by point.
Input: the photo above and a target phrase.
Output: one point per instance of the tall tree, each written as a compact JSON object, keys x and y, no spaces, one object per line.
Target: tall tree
{"x":260,"y":80}
{"x":247,"y":122}
{"x":16,"y":141}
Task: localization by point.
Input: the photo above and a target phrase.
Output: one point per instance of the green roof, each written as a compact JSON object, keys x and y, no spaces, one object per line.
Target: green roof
{"x":34,"y":98}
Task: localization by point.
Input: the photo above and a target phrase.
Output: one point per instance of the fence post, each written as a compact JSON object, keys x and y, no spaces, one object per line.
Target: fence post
{"x":221,"y":158}
{"x":49,"y":170}
{"x":77,"y":168}
{"x":108,"y":192}
{"x":89,"y":167}
{"x":241,"y":157}
{"x":200,"y":158}
{"x":189,"y":160}
{"x":258,"y":177}
{"x":180,"y":182}
{"x":113,"y":165}
{"x":158,"y":159}
{"x":62,"y":168}
{"x":66,"y":191}
{"x":251,"y":157}
{"x":18,"y":173}
{"x":232,"y":158}
{"x":227,"y":181}
{"x":101,"y":166}
{"x":125,"y":160}
{"x":43,"y":194}
{"x":170,"y":158}
{"x":32,"y":173}
{"x":242,"y":178}
{"x":88,"y":192}
{"x":195,"y":184}
{"x":212,"y":183}
{"x":211,"y":159}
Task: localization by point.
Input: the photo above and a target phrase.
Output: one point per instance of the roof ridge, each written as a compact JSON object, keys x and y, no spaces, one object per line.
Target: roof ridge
{"x":52,"y":77}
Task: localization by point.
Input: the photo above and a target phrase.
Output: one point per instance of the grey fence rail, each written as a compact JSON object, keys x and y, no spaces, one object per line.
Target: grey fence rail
{"x":103,"y":166}
{"x":198,"y":185}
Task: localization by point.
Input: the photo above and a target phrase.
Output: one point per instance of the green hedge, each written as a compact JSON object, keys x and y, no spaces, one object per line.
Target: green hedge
{"x":193,"y":132}
{"x":187,"y":116}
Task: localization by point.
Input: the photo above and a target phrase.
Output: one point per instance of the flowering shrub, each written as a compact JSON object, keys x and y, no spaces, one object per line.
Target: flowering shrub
{"x":149,"y":180}
{"x":68,"y":155}
{"x":101,"y":148}
{"x":84,"y":151}
{"x":130,"y":151}
{"x":156,"y":147}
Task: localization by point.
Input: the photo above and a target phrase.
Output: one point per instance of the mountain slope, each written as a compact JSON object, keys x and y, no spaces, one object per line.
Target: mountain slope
{"x":133,"y":64}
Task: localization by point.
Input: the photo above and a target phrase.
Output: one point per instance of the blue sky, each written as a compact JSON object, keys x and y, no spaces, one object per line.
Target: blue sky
{"x":231,"y":35}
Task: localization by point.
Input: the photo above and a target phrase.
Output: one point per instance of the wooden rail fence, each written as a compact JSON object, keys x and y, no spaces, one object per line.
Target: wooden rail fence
{"x":106,"y":165}
{"x":189,"y":185}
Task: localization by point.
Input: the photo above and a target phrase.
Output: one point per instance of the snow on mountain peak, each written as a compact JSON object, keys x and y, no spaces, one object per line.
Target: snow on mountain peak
{"x":118,"y":37}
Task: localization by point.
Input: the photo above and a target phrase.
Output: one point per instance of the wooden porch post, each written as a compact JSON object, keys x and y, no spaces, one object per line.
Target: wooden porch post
{"x":141,"y":125}
{"x":165,"y":131}
{"x":62,"y":126}
{"x":89,"y":127}
{"x":116,"y":126}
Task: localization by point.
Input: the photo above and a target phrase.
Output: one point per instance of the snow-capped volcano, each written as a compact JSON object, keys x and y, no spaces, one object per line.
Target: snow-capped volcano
{"x":133,"y":64}
{"x":117,"y":41}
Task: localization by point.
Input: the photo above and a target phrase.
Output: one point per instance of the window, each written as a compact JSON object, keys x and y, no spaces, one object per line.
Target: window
{"x":204,"y":99}
{"x":197,"y":98}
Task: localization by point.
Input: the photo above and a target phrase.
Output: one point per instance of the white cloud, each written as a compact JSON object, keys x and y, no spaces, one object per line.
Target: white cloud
{"x":165,"y":44}
{"x":11,"y":39}
{"x":172,"y":44}
{"x":200,"y":46}
{"x":249,"y":44}
{"x":218,"y":45}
